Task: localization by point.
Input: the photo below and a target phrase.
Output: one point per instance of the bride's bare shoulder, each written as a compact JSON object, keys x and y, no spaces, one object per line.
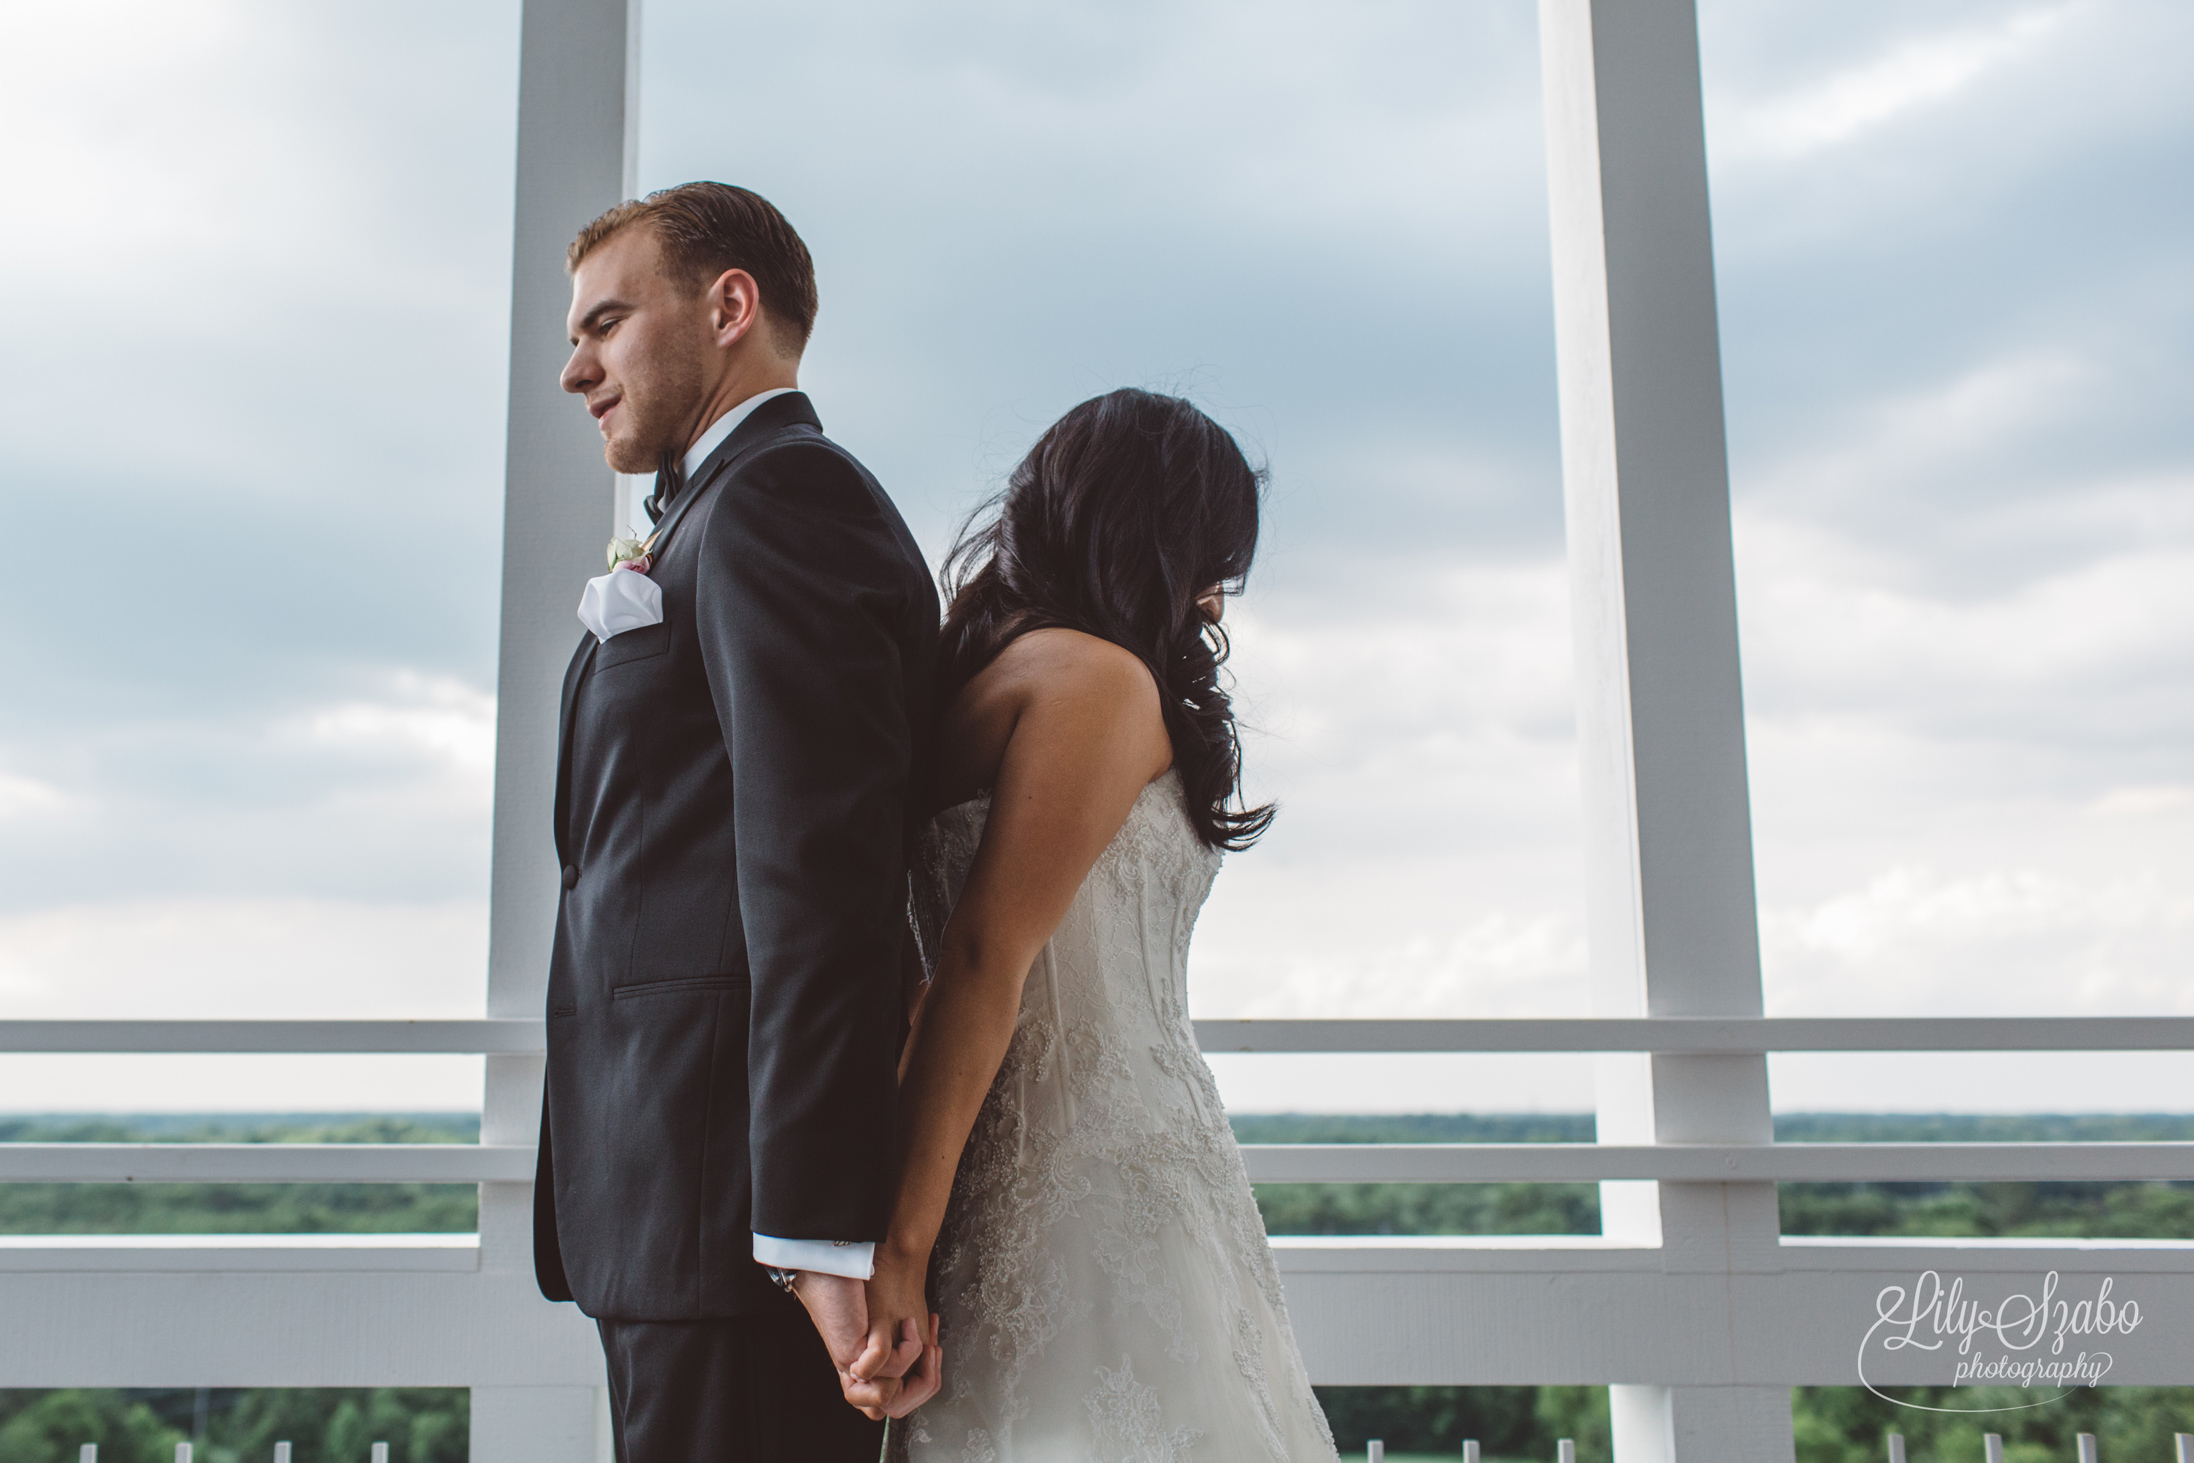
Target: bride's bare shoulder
{"x":1085,"y":702}
{"x":1054,"y":685}
{"x":1059,"y":662}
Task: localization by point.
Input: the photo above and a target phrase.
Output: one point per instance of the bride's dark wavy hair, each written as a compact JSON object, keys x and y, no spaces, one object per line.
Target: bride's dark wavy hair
{"x":1125,"y":510}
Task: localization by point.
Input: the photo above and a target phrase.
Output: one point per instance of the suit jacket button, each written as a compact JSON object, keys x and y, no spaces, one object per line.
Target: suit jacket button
{"x":571,"y":876}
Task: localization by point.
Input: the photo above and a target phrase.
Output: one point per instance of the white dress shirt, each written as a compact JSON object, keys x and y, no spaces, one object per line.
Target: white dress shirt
{"x":723,"y":427}
{"x":832,"y":1257}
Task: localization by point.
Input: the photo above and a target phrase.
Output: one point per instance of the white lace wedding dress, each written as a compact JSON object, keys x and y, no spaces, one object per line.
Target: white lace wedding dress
{"x":1107,"y":1291}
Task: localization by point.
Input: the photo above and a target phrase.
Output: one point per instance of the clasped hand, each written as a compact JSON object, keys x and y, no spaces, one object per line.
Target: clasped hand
{"x":880,"y":1333}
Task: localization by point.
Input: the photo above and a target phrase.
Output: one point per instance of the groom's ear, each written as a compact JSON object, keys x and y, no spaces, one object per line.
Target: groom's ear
{"x":734,"y":304}
{"x":736,"y":310}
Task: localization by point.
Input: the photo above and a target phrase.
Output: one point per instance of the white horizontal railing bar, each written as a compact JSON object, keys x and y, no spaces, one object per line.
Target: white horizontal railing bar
{"x":1418,"y":1255}
{"x":217,"y":1254}
{"x":500,"y":1037}
{"x":1696,"y":1035}
{"x":266,"y":1163}
{"x":1676,"y":1035}
{"x":1478,"y":1163}
{"x":1271,"y":1163}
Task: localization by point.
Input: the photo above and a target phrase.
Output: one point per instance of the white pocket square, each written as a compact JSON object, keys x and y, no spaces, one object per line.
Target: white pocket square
{"x":621,"y":600}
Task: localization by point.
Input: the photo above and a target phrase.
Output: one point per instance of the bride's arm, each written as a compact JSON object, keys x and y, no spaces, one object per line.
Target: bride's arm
{"x":1087,"y":736}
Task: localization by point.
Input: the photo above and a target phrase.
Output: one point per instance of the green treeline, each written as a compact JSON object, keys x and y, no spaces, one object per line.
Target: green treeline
{"x":1956,"y":1210}
{"x":1834,"y":1424}
{"x":241,"y":1208}
{"x":2100,"y":1210}
{"x":237,"y":1425}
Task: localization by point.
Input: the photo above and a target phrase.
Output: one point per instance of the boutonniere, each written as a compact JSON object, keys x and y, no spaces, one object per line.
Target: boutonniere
{"x":631,"y":553}
{"x":613,"y":603}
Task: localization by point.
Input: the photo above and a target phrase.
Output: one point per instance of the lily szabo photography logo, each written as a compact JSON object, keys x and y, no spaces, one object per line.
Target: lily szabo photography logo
{"x":2056,"y":1337}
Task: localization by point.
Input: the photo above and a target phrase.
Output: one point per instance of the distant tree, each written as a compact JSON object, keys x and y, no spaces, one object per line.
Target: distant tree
{"x":1435,"y":1419}
{"x":346,"y":1440}
{"x":52,"y":1426}
{"x":1852,"y":1425}
{"x":1579,"y":1413}
{"x":323,"y":1424}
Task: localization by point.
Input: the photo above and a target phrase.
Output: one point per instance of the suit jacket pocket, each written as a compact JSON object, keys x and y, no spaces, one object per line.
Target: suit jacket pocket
{"x":727,"y":981}
{"x":640,"y":644}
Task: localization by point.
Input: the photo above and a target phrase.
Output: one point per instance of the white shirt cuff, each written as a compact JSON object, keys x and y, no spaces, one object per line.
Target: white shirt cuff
{"x":854,"y":1259}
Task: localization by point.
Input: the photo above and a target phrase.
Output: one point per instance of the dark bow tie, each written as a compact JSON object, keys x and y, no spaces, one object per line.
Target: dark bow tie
{"x":669,"y":478}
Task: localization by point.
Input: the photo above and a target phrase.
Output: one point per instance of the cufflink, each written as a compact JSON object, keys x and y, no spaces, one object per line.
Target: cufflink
{"x":783,"y":1278}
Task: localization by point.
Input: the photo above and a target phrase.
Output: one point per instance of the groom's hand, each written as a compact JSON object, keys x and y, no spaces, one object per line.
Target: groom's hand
{"x":838,"y":1307}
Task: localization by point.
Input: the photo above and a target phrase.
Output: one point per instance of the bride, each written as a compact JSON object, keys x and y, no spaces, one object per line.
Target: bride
{"x":1070,"y":1192}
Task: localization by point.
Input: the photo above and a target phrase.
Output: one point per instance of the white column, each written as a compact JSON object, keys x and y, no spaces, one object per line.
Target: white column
{"x":577,"y":103}
{"x":1670,"y":901}
{"x":625,"y":510}
{"x":538,"y":1425}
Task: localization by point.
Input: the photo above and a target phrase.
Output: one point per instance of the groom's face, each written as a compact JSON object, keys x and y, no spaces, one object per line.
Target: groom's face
{"x":641,"y":350}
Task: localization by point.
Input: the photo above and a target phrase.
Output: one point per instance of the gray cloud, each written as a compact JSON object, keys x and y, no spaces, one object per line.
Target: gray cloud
{"x":256,"y":448}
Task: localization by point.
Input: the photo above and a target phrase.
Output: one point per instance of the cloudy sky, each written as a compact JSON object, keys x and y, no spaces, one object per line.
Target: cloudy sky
{"x":252,"y":460}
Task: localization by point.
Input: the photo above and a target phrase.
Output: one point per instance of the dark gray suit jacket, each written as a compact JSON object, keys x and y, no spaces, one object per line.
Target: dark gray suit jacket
{"x":735,"y":802}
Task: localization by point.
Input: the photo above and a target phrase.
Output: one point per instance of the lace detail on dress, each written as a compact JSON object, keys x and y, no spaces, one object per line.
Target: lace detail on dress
{"x":1128,"y":1424}
{"x":1107,"y":1288}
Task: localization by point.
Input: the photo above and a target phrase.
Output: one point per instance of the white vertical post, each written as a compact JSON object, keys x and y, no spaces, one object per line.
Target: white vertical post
{"x":2182,"y":1446}
{"x":182,"y":1453}
{"x":1565,"y":1451}
{"x":88,"y":1453}
{"x":281,"y":1453}
{"x":1992,"y":1447}
{"x":1669,"y":887}
{"x":1375,"y":1451}
{"x":1896,"y":1448}
{"x":2086,"y":1444}
{"x":534,"y":1425}
{"x":380,"y":1453}
{"x":571,"y":163}
{"x":576,"y":103}
{"x":630,"y":488}
{"x":1470,"y":1450}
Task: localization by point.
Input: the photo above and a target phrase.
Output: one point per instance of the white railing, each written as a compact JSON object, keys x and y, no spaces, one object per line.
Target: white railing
{"x":1694,"y":1310}
{"x":1660,"y":1035}
{"x":446,"y":1163}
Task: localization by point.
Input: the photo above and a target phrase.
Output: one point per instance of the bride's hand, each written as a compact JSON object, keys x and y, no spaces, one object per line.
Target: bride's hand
{"x":900,"y":1321}
{"x":922,"y":1383}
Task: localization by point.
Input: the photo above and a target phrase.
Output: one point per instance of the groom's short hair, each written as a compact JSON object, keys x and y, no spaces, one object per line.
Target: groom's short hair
{"x":707,"y":228}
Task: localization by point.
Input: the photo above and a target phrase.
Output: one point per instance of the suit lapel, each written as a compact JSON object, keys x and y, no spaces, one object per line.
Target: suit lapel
{"x":573,"y":675}
{"x":766,"y":421}
{"x":790,"y":410}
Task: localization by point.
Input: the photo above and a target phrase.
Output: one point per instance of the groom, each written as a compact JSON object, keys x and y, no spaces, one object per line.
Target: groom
{"x":735,"y":795}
